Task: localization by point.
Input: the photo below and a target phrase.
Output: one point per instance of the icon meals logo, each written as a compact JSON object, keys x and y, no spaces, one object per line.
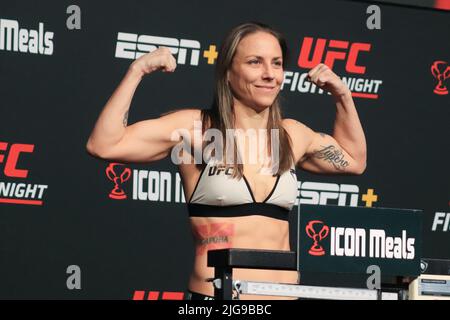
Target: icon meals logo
{"x":311,"y":231}
{"x":14,"y":38}
{"x":441,"y":71}
{"x":118,"y":174}
{"x":359,"y":242}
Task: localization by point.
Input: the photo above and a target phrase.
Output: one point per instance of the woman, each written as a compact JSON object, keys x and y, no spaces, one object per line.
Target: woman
{"x":236,"y":205}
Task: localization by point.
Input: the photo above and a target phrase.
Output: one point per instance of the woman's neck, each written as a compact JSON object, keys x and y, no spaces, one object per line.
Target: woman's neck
{"x":249,"y":118}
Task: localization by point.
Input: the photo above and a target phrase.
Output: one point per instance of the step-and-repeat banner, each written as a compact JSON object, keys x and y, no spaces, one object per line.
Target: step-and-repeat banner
{"x":74,"y":226}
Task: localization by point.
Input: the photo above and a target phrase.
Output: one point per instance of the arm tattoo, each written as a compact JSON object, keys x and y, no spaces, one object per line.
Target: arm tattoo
{"x":332,"y":155}
{"x":125,"y":119}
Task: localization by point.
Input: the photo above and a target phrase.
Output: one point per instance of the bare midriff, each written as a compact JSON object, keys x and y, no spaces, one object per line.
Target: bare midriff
{"x":248,"y":232}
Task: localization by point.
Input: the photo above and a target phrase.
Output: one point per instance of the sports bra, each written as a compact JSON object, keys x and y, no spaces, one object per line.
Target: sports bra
{"x":217,"y":194}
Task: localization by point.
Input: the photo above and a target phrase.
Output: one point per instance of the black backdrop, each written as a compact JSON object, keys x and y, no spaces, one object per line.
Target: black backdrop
{"x":51,"y":102}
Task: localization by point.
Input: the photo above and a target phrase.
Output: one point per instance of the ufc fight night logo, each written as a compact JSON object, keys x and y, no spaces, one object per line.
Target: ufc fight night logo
{"x":18,"y":191}
{"x":330,"y":52}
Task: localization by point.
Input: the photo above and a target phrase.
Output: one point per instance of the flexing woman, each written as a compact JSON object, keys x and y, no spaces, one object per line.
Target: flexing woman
{"x":236,"y":205}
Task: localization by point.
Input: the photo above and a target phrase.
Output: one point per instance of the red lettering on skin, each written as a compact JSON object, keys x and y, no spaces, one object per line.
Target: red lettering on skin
{"x":213,"y":236}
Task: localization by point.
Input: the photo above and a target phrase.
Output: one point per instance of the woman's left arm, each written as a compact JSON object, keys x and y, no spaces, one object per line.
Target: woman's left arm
{"x":345,"y":151}
{"x":348,"y":131}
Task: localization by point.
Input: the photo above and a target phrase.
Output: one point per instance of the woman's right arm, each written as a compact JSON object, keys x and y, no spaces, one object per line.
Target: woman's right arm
{"x":144,"y":141}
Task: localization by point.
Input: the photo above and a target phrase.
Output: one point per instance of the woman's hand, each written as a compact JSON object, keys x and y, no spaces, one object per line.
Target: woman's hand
{"x":322,"y":76}
{"x":160,"y":59}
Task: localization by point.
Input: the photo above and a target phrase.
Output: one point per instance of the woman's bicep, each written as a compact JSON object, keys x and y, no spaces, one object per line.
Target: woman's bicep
{"x":325,"y":155}
{"x":320,"y":152}
{"x":151,"y":140}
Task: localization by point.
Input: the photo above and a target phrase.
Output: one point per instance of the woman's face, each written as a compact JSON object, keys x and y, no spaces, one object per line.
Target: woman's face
{"x":256,"y":73}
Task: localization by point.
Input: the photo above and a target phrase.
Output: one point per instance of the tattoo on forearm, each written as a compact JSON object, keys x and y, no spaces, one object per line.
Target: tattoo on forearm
{"x":213,"y":236}
{"x":125,"y":119}
{"x":332,"y":155}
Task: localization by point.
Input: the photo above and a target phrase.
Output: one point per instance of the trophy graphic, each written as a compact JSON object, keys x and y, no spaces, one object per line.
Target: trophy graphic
{"x":441,"y":71}
{"x":316,"y":249}
{"x":117,"y":173}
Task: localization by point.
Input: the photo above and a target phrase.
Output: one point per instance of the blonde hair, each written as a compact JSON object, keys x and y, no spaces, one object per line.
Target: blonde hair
{"x":221,"y":116}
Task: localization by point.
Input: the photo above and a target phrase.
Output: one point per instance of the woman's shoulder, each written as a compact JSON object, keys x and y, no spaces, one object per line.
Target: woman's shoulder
{"x":296,"y":129}
{"x":293,"y":125}
{"x":189,"y":112}
{"x":183,"y":117}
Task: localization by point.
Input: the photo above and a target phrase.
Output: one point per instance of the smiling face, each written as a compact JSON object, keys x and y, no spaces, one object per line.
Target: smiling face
{"x":256,"y":74}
